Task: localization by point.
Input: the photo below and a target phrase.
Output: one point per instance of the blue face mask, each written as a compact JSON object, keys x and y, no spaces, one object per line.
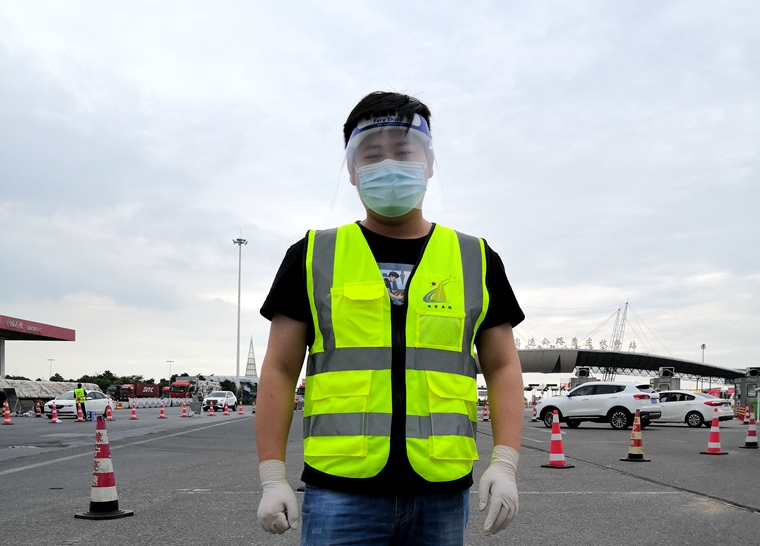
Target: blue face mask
{"x":392,"y":188}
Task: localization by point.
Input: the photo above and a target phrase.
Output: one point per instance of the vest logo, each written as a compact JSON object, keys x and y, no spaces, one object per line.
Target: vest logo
{"x":437,"y":294}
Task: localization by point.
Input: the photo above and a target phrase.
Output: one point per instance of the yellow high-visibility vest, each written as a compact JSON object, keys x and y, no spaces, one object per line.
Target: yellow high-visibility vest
{"x":79,"y":395}
{"x":348,"y":402}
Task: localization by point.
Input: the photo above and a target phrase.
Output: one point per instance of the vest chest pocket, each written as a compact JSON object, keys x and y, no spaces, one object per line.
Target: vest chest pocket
{"x":436,"y":330}
{"x":358,"y":314}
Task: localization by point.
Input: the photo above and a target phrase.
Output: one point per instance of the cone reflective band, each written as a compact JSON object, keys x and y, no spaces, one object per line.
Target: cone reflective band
{"x":713,"y":444}
{"x":636,"y":448}
{"x":556,"y":450}
{"x":104,"y":501}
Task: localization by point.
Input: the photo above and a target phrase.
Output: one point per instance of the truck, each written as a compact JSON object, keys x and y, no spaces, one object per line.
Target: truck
{"x":181,"y":389}
{"x":138,"y":390}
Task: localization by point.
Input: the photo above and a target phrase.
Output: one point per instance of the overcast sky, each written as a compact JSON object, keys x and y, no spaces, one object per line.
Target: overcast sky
{"x":607,"y":150}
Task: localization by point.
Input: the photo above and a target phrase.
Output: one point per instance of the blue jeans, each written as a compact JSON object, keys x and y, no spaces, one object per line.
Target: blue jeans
{"x":332,"y":518}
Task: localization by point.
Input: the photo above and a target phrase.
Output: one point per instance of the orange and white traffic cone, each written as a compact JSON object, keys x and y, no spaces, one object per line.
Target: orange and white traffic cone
{"x":54,"y":416}
{"x":713,"y":444}
{"x":6,"y":414}
{"x":109,"y":413}
{"x":226,"y":409}
{"x":740,"y":414}
{"x":184,"y":409}
{"x":133,"y":417}
{"x":211,"y":409}
{"x":162,"y":414}
{"x":37,"y":410}
{"x":636,"y":448}
{"x":751,"y":441}
{"x":104,"y":501}
{"x":534,"y":416}
{"x":240,"y":409}
{"x":80,"y":415}
{"x":747,"y":413}
{"x":486,"y":417}
{"x":556,"y":450}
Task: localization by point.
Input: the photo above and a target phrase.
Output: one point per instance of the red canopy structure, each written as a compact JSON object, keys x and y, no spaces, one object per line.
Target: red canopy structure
{"x":12,"y":328}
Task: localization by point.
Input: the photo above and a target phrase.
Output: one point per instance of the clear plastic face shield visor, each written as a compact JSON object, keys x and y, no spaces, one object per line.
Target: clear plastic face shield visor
{"x":389,"y":168}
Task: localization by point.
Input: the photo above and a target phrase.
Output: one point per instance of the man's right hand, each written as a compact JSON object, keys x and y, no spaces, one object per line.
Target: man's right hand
{"x":278,"y":510}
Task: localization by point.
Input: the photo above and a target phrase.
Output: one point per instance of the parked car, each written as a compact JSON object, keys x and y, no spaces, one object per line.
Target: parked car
{"x":65,"y":404}
{"x":218,"y":398}
{"x":613,"y":402}
{"x":693,"y":408}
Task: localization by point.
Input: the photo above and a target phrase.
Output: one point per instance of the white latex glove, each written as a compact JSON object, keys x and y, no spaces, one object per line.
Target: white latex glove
{"x":498,"y":485}
{"x":278,"y":510}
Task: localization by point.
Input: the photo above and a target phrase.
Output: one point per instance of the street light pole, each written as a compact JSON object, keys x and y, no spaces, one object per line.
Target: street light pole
{"x":703,"y":361}
{"x":170,"y":362}
{"x":50,"y":362}
{"x":240,"y":243}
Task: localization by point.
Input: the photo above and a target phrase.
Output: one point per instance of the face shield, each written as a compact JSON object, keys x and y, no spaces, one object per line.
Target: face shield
{"x":389,"y":168}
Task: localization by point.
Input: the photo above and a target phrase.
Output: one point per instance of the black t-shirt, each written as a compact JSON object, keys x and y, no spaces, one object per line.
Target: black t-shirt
{"x":288,"y":296}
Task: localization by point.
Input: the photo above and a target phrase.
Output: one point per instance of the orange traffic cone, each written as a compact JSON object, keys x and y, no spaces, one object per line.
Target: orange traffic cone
{"x":54,"y":416}
{"x":80,"y":415}
{"x":37,"y":410}
{"x":6,"y":414}
{"x":240,"y":409}
{"x":713,"y":444}
{"x":184,"y":409}
{"x":486,"y":417}
{"x":751,"y":441}
{"x":161,"y":414}
{"x":534,"y":416}
{"x":253,"y":408}
{"x":226,"y":409}
{"x":635,"y":448}
{"x":747,"y":413}
{"x":211,"y":409}
{"x":133,"y":417}
{"x":556,"y":451}
{"x":740,"y":414}
{"x":104,"y":501}
{"x":109,"y":413}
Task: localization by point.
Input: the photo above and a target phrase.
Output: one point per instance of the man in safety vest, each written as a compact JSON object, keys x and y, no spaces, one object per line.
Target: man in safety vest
{"x":79,"y":397}
{"x":391,"y":310}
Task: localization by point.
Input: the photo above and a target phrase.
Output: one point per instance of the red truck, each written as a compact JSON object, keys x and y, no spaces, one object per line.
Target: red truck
{"x":181,"y":389}
{"x":139,"y":390}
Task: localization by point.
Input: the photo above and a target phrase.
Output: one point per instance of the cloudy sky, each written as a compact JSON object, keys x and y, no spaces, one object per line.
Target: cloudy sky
{"x":608,"y":151}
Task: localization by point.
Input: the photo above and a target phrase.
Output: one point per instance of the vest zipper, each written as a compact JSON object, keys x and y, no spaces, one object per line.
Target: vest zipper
{"x":398,"y":365}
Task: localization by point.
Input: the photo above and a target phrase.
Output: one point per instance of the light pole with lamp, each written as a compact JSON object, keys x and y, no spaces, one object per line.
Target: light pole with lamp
{"x":240,"y":243}
{"x":50,"y":363}
{"x":703,"y":361}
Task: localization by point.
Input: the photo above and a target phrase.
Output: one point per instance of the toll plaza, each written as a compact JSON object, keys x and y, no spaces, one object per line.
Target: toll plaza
{"x":16,"y":329}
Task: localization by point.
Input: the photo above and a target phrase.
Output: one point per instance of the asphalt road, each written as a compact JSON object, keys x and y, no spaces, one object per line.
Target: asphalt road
{"x":195,"y":481}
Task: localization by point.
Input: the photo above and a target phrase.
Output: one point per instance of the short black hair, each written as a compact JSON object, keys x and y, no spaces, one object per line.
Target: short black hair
{"x":383,"y":103}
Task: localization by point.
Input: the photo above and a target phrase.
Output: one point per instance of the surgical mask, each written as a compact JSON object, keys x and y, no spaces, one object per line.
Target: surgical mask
{"x":392,"y":188}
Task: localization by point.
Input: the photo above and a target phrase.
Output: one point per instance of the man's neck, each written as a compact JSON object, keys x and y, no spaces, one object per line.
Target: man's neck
{"x":409,"y":226}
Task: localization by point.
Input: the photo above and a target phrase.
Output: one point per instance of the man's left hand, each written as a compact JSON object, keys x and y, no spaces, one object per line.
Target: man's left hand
{"x":498,"y":490}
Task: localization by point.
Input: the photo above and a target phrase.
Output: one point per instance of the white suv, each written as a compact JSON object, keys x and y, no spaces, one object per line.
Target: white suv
{"x":218,"y":398}
{"x":613,"y":402}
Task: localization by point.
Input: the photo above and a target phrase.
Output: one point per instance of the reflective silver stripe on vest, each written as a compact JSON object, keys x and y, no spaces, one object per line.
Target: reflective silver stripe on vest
{"x":440,"y":424}
{"x":347,"y":424}
{"x":349,"y":359}
{"x":322,"y":266}
{"x":441,"y":361}
{"x":472,"y":268}
{"x":379,"y":424}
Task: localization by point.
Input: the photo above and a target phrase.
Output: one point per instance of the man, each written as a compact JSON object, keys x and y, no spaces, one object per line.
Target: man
{"x":79,"y":396}
{"x":390,"y":410}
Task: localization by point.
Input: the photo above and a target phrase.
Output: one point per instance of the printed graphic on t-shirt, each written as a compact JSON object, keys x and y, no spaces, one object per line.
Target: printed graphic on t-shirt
{"x":395,"y":277}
